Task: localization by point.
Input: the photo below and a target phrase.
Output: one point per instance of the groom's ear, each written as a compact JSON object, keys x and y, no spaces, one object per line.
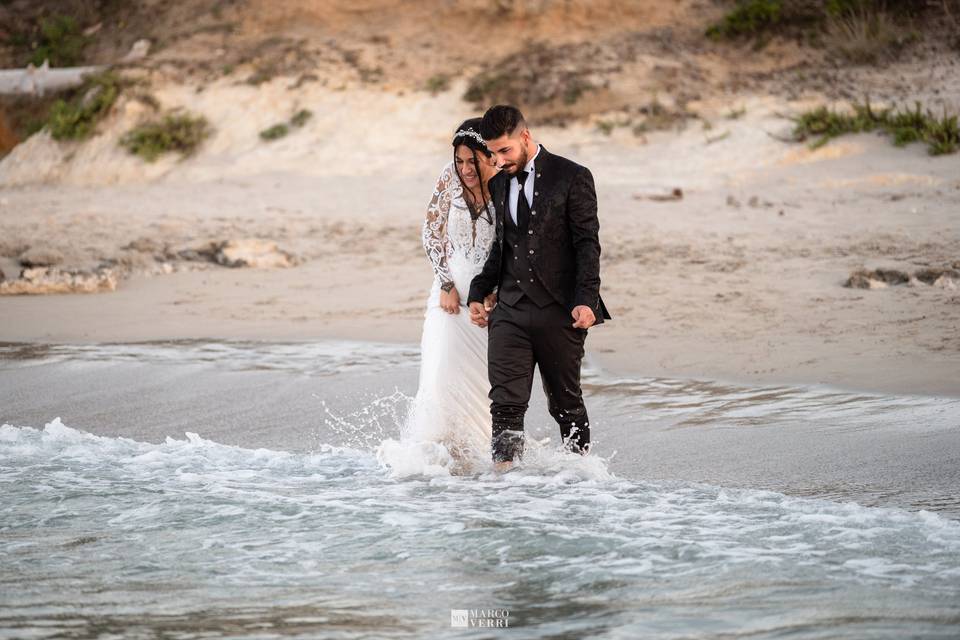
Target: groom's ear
{"x":525,"y":137}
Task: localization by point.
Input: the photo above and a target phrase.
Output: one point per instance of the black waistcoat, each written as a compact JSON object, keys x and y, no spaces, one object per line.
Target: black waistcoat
{"x":518,"y":277}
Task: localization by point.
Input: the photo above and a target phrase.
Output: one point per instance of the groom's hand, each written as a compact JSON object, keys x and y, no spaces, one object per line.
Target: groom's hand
{"x":478,"y":314}
{"x":583,"y":317}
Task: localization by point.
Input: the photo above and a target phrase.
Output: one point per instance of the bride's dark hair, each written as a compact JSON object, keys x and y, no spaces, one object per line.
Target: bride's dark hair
{"x":468,"y":135}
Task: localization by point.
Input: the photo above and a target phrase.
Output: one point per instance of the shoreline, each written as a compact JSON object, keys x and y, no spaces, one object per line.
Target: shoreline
{"x":70,"y":320}
{"x":873,"y":450}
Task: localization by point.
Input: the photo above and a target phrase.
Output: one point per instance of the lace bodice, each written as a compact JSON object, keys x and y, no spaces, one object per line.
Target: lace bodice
{"x":456,"y":244}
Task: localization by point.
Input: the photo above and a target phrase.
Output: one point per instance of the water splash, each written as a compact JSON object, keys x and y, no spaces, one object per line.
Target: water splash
{"x":365,"y":428}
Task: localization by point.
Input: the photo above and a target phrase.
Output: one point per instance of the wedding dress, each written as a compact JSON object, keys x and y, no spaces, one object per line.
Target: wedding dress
{"x":452,"y":406}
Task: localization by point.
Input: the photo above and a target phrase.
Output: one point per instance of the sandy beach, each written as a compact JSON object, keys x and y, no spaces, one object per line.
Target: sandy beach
{"x":741,"y":279}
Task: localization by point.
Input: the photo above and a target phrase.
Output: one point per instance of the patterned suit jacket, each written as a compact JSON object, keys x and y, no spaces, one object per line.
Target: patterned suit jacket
{"x":565,"y":235}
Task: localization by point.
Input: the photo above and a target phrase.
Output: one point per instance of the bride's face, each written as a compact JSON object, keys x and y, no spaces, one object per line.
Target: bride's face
{"x":473,"y":170}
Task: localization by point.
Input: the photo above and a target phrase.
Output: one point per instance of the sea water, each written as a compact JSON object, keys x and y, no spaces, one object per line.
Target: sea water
{"x":129,"y":533}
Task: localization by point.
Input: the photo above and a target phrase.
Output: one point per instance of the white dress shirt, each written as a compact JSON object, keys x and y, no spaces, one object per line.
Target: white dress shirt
{"x":527,"y":186}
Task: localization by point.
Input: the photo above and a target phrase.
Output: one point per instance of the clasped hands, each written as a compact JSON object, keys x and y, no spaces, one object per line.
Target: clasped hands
{"x":583,"y":316}
{"x":450,"y":302}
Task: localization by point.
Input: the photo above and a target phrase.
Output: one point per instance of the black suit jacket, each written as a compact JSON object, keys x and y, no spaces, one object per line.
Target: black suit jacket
{"x":565,"y":239}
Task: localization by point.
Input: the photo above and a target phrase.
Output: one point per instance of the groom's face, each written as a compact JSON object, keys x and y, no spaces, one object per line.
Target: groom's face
{"x":510,"y":151}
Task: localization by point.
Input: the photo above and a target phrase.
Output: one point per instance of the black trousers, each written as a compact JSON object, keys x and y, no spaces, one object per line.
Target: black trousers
{"x":521,"y":336}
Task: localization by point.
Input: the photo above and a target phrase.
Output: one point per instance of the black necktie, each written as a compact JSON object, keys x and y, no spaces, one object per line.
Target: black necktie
{"x":523,"y":207}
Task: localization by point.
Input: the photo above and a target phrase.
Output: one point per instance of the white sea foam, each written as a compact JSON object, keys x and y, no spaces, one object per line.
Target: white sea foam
{"x":541,"y":462}
{"x":87,"y":514}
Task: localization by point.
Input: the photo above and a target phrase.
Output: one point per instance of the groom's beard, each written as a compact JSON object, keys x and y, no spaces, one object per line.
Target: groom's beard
{"x":513,"y":168}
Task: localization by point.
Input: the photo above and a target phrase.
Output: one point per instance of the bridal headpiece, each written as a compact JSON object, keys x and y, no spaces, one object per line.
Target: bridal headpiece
{"x":470,"y":133}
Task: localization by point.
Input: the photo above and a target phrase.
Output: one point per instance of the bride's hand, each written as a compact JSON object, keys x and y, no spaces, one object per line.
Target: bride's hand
{"x":450,"y":300}
{"x":490,"y":301}
{"x":478,"y":315}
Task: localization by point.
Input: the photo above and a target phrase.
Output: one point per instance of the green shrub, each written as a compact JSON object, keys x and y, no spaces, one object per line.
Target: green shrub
{"x":60,"y":41}
{"x":841,"y":7}
{"x":275,"y":132}
{"x":485,"y":85}
{"x":76,"y":117}
{"x":437,"y":83}
{"x":941,"y":134}
{"x":574,"y":89}
{"x":300,"y":117}
{"x":748,"y":18}
{"x":758,"y":18}
{"x":736,"y":114}
{"x":606,"y":127}
{"x":281,"y":129}
{"x":175,"y":132}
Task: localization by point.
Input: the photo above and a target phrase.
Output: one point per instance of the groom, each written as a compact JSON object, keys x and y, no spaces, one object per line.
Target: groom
{"x":545,"y":266}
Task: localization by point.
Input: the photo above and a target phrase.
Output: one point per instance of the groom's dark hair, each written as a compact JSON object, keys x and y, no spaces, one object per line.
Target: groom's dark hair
{"x":501,"y":120}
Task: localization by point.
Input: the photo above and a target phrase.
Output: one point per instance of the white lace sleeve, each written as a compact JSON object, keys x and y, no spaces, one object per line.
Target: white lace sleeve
{"x":434,"y":230}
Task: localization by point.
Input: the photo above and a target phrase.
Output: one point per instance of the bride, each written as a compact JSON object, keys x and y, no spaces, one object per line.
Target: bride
{"x":452,"y":407}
